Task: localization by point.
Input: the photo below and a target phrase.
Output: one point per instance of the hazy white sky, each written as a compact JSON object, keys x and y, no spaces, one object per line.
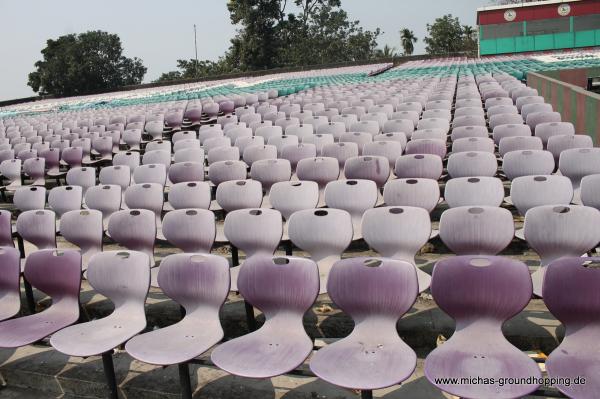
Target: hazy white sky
{"x":160,"y":32}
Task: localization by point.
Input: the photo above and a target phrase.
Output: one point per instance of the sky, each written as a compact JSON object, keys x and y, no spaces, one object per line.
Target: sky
{"x":161,"y":32}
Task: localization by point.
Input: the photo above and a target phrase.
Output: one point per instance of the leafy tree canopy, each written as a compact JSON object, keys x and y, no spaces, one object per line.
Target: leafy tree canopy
{"x":87,"y":62}
{"x":447,"y":36}
{"x":279,"y":33}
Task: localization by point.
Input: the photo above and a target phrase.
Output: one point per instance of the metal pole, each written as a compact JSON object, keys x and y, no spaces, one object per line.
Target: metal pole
{"x":196,"y":48}
{"x":109,"y":373}
{"x":185,"y":381}
{"x":366,"y":394}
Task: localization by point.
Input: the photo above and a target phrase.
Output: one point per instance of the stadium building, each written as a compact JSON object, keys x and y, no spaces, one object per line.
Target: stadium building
{"x":538,"y":26}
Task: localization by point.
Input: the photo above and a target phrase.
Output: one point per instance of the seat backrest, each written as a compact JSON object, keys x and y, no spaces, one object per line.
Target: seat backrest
{"x":82,"y":176}
{"x":38,"y":227}
{"x":472,"y":163}
{"x":123,"y":277}
{"x":279,"y":284}
{"x":321,"y":170}
{"x":396,"y":231}
{"x":421,"y":193}
{"x":289,"y":197}
{"x":527,"y":162}
{"x":373,"y":288}
{"x":271,"y":171}
{"x":466,"y":191}
{"x":577,"y":163}
{"x":195,"y":281}
{"x":145,"y":196}
{"x":62,"y":199}
{"x":321,"y":232}
{"x":191,"y":230}
{"x":134,"y":229}
{"x":556,"y":231}
{"x":425,"y":166}
{"x":186,"y":172}
{"x":473,"y":230}
{"x":498,"y":288}
{"x":190,"y":195}
{"x":150,"y":173}
{"x":375,"y":168}
{"x":29,"y":198}
{"x":570,"y":291}
{"x":527,"y":192}
{"x":119,"y":175}
{"x":519,"y":143}
{"x":254,"y":231}
{"x":57,"y":273}
{"x":239,"y":194}
{"x":83,"y":228}
{"x":6,"y":239}
{"x":353,"y":196}
{"x":222,"y":171}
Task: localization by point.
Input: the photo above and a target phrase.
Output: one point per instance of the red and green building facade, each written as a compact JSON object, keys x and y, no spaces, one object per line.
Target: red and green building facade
{"x":538,"y":26}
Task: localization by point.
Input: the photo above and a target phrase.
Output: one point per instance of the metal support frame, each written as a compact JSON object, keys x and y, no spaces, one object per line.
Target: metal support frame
{"x":185,"y":380}
{"x":367,"y":394}
{"x":250,"y":319}
{"x":109,"y":373}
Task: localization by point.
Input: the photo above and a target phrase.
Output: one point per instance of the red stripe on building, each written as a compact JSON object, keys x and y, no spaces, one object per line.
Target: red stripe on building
{"x":546,"y":11}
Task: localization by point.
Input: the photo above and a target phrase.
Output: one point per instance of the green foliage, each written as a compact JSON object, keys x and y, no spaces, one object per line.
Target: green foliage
{"x":447,"y":36}
{"x":269,"y":36}
{"x":84,"y":63}
{"x":408,"y":39}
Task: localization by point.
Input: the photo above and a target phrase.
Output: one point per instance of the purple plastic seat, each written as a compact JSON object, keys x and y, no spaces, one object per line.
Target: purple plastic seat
{"x":472,"y":163}
{"x":421,"y":193}
{"x":284,"y":288}
{"x":124,"y":278}
{"x":519,"y":143}
{"x":289,"y":197}
{"x":375,"y":293}
{"x":510,"y":130}
{"x":399,"y":233}
{"x":196,"y":195}
{"x":353,"y":196}
{"x":191,"y":230}
{"x":321,"y":170}
{"x":388,"y":149}
{"x":146,"y":196}
{"x":6,"y":229}
{"x":469,"y":131}
{"x":535,"y":108}
{"x":119,"y":175}
{"x":570,"y":293}
{"x":539,"y":118}
{"x":550,"y":129}
{"x":480,"y":293}
{"x":484,"y":144}
{"x":368,"y":167}
{"x":557,"y":144}
{"x":480,"y":230}
{"x":29,"y":198}
{"x":527,"y":163}
{"x":216,"y":155}
{"x":63,"y":199}
{"x":223,"y":171}
{"x":341,"y":151}
{"x":359,"y":138}
{"x":38,"y":227}
{"x":324,"y":234}
{"x":474,"y":191}
{"x":556,"y":231}
{"x":530,"y":191}
{"x":200,"y":284}
{"x":577,"y":163}
{"x":82,"y":176}
{"x":186,"y":172}
{"x":239,"y":194}
{"x":135,"y":229}
{"x":590,"y":191}
{"x":10,"y":281}
{"x":34,"y":168}
{"x":150,"y":173}
{"x":105,"y":198}
{"x":10,"y":170}
{"x":57,"y":273}
{"x":128,"y":158}
{"x":427,"y":146}
{"x":271,"y":171}
{"x":84,"y":229}
{"x":426,"y":166}
{"x":256,"y":232}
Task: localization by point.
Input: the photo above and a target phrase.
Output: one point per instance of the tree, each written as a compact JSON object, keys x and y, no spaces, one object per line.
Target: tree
{"x":190,"y":69}
{"x":447,"y":36}
{"x":88,"y":62}
{"x":386,"y":52}
{"x":408,"y":38}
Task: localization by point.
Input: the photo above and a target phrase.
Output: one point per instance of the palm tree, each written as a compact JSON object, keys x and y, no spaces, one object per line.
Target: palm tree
{"x":407,"y":38}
